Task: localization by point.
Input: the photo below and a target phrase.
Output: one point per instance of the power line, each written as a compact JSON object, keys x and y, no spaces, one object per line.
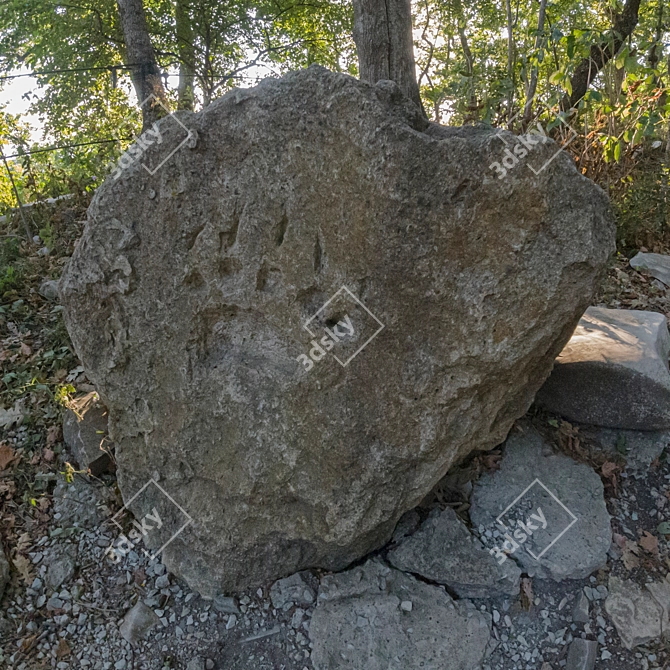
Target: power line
{"x":38,"y":73}
{"x":64,"y":146}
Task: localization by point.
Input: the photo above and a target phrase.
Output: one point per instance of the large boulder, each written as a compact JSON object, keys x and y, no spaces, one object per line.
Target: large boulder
{"x":199,"y":300}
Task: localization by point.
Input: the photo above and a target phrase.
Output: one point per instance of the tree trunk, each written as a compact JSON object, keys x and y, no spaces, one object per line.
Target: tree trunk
{"x":140,"y":52}
{"x":601,"y":54}
{"x":186,"y":52}
{"x":384,"y":44}
{"x":532,"y":84}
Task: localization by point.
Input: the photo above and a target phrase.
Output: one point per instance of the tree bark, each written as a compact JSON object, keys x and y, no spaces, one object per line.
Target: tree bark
{"x":186,"y":52}
{"x":140,"y":53}
{"x":384,"y":44}
{"x":532,"y":83}
{"x":602,"y":53}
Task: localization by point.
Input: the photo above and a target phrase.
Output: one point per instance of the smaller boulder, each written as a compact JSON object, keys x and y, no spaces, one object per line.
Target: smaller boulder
{"x":85,"y":433}
{"x":444,"y":551}
{"x":61,"y":566}
{"x":613,"y":372}
{"x":138,"y":622}
{"x":634,"y":612}
{"x":378,"y":618}
{"x":658,"y":265}
{"x":638,"y":447}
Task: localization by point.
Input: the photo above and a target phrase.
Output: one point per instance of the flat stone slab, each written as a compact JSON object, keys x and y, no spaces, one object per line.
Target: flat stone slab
{"x":613,"y":372}
{"x":378,"y":618}
{"x":138,"y":622}
{"x":582,"y":655}
{"x":658,"y":265}
{"x":551,"y":510}
{"x":444,"y":551}
{"x":634,"y":612}
{"x":638,"y":447}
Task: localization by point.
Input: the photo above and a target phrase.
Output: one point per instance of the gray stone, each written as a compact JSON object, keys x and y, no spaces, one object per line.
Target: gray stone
{"x":582,"y":655}
{"x":61,"y":566}
{"x":658,"y":265}
{"x":225,"y":605}
{"x":138,"y":622}
{"x":4,"y":571}
{"x":660,"y":591}
{"x":613,"y":372}
{"x":551,"y":551}
{"x":196,"y":664}
{"x":359,"y":622}
{"x":444,"y":551}
{"x":188,"y":312}
{"x":291,"y":590}
{"x":85,"y":433}
{"x":580,"y":613}
{"x":49,"y":289}
{"x":634,"y":612}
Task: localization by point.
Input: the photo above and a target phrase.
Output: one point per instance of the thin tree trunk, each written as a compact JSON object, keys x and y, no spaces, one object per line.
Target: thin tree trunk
{"x":532,"y":84}
{"x":602,"y":53}
{"x":469,"y":60}
{"x":145,"y":73}
{"x":510,"y":56}
{"x":384,"y":44}
{"x":186,"y":51}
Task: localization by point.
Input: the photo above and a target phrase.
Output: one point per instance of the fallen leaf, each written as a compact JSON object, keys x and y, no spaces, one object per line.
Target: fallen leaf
{"x":53,"y":435}
{"x":48,"y":455}
{"x":11,"y":416}
{"x":7,"y":455}
{"x":629,"y":555}
{"x":649,"y":543}
{"x":23,"y":567}
{"x":526,"y":593}
{"x":63,"y":648}
{"x":25,"y":349}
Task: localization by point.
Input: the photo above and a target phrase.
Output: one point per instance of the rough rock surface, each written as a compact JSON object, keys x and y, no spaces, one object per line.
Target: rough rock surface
{"x":548,"y":552}
{"x":377,"y":618}
{"x":634,"y":611}
{"x":188,"y":294}
{"x":613,"y":372}
{"x":138,"y":622}
{"x":85,"y":433}
{"x":444,"y":551}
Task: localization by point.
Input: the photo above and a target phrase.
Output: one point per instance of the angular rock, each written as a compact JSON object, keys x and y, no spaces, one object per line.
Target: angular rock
{"x":4,"y":571}
{"x":293,"y":590}
{"x":187,"y":300}
{"x":658,"y":265}
{"x":49,"y":289}
{"x":359,"y":622}
{"x":634,"y":612}
{"x":613,"y":372}
{"x":81,"y":503}
{"x":225,"y":605}
{"x":138,"y":622}
{"x":580,"y":613}
{"x":566,"y":548}
{"x":444,"y":551}
{"x":85,"y":432}
{"x":582,"y":655}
